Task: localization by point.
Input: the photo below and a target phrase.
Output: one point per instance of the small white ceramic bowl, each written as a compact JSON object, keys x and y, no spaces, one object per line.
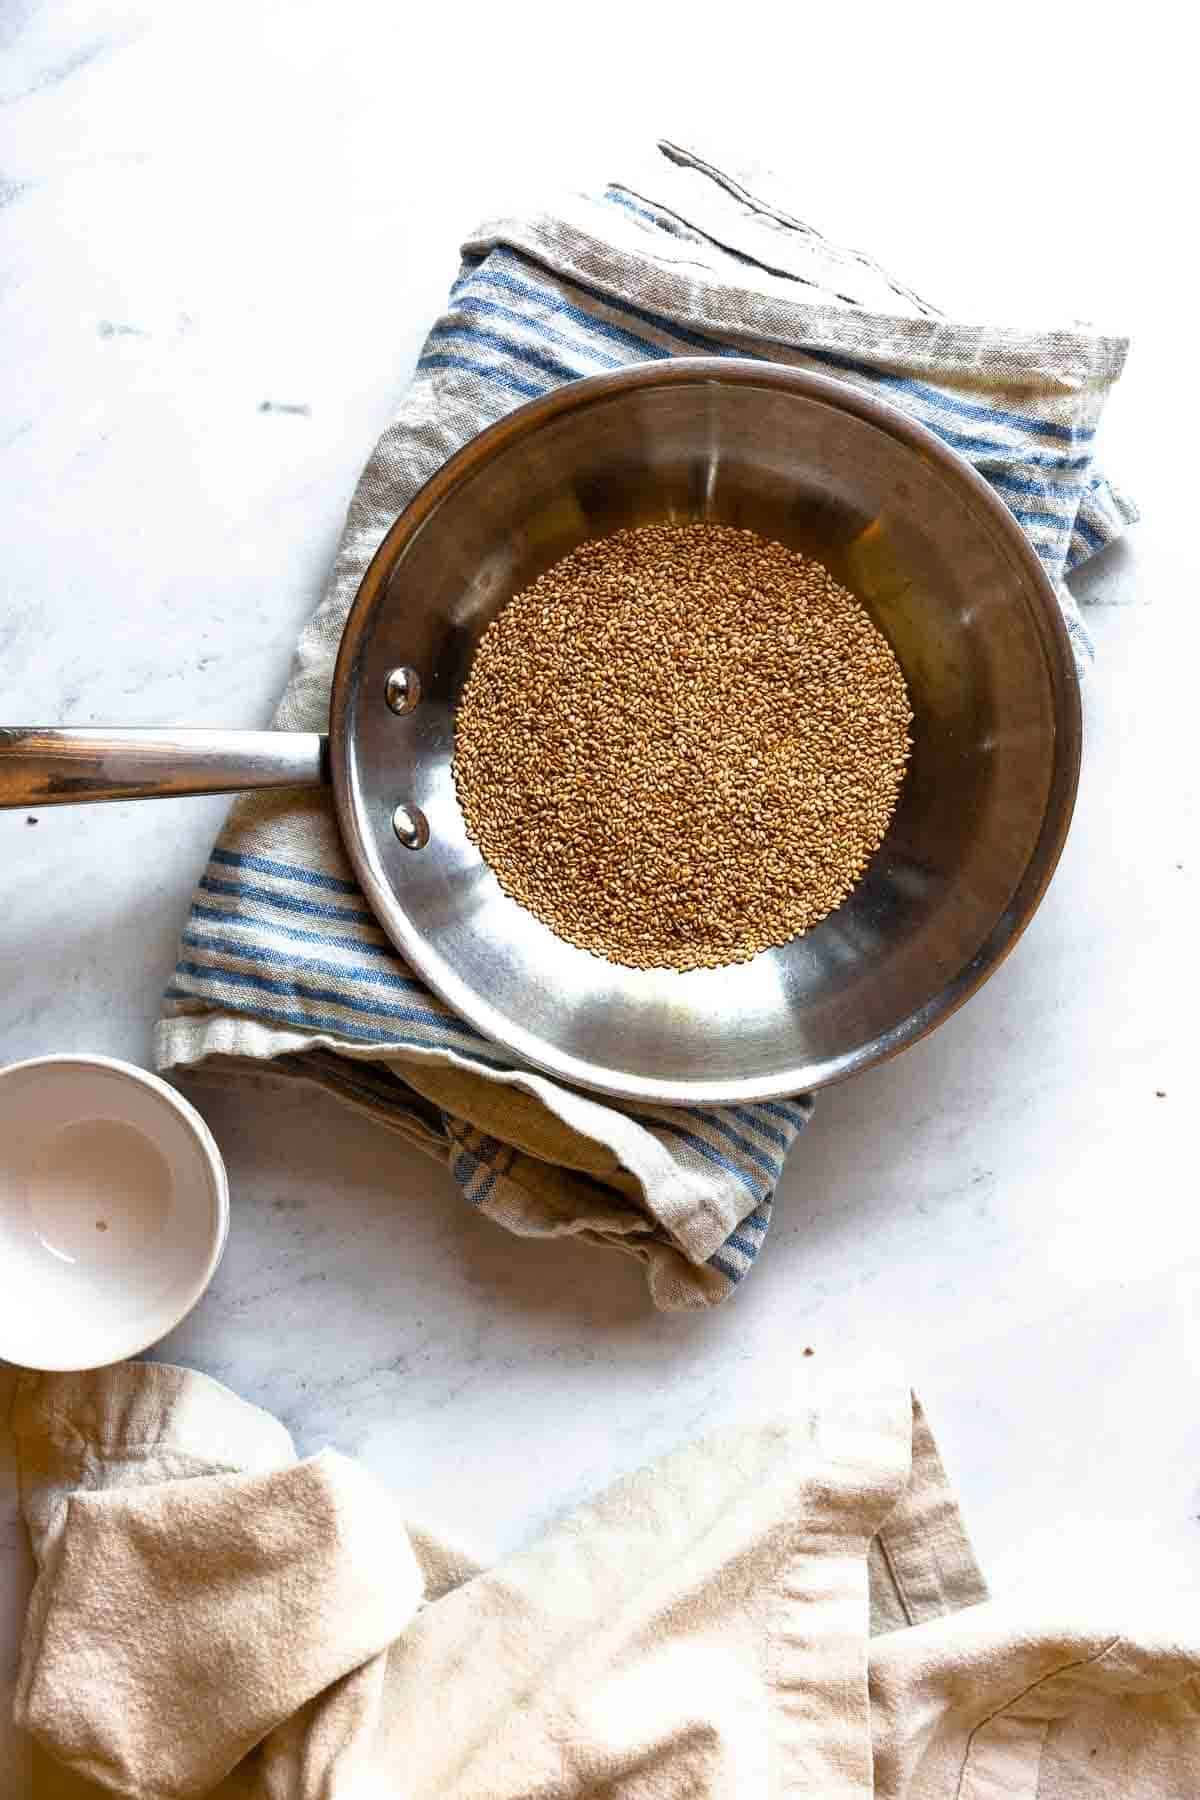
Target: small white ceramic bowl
{"x":114,"y":1209}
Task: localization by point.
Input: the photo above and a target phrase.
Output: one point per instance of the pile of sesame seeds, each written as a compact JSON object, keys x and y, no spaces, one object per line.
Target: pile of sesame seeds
{"x":680,"y":745}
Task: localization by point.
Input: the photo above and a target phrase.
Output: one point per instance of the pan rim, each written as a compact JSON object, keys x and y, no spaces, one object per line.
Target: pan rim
{"x":535,"y":1051}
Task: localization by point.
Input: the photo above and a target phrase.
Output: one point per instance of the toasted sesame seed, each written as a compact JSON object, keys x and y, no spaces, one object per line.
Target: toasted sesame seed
{"x":681,"y":745}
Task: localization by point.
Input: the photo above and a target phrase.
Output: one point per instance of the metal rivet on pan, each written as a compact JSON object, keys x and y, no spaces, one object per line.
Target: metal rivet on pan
{"x":403,"y":690}
{"x":411,"y":827}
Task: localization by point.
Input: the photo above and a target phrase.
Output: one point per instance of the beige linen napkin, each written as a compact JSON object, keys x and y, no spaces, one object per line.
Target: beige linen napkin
{"x":212,"y":1616}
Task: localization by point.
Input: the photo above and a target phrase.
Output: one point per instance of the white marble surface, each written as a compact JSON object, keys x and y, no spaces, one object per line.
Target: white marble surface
{"x":209,"y":208}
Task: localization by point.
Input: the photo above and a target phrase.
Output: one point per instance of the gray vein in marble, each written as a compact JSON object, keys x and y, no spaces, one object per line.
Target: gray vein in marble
{"x":20,"y":627}
{"x":57,"y":73}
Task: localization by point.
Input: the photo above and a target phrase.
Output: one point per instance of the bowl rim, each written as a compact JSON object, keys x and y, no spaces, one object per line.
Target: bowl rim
{"x":218,"y":1183}
{"x":1063,"y":679}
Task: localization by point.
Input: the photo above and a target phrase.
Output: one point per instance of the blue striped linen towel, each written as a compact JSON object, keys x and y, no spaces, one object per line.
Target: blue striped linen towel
{"x":281,"y":960}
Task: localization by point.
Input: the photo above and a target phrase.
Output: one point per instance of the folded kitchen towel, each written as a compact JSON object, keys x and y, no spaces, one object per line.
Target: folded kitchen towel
{"x":785,"y":1608}
{"x":281,"y":960}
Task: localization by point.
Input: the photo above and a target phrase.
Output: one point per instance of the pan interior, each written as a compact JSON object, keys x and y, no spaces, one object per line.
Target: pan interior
{"x":980,"y":817}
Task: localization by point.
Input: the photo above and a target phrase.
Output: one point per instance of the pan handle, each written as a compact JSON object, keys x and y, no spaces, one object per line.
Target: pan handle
{"x":46,"y":765}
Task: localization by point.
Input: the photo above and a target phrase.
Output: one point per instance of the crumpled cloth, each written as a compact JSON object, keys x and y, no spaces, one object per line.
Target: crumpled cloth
{"x":281,"y":961}
{"x":786,"y":1608}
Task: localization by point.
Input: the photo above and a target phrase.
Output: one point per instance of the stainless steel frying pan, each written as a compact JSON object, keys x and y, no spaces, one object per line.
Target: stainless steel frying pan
{"x":903,"y":521}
